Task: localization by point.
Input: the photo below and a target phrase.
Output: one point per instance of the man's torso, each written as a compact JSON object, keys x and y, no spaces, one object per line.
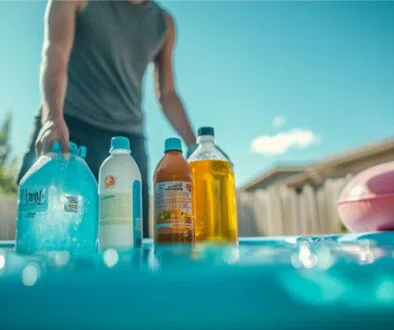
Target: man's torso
{"x":114,"y":43}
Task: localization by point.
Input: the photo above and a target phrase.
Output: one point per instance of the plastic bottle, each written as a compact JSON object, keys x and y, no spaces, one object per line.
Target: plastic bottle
{"x":214,"y":194}
{"x":120,"y":203}
{"x":57,"y":205}
{"x":173,"y":213}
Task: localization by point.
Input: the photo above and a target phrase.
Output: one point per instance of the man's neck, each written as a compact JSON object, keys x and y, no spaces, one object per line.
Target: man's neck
{"x":136,"y":2}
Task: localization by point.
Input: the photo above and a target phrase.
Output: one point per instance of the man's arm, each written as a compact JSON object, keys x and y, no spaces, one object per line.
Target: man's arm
{"x":58,"y":40}
{"x":165,"y":89}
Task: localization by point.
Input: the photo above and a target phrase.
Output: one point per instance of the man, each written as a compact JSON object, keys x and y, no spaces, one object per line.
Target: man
{"x":95,"y":54}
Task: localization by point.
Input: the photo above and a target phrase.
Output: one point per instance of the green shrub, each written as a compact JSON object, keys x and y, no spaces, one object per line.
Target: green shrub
{"x":8,"y":165}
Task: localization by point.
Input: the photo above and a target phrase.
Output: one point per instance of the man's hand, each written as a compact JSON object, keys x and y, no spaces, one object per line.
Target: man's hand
{"x":50,"y":132}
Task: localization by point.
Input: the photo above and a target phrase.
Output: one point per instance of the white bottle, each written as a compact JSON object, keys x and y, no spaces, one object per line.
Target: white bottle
{"x":120,"y":204}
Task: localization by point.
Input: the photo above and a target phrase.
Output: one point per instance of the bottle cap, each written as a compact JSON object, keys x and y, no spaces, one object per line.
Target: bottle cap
{"x":57,"y":147}
{"x":206,"y":130}
{"x":172,"y":144}
{"x":74,"y":148}
{"x":82,"y":151}
{"x":120,"y":142}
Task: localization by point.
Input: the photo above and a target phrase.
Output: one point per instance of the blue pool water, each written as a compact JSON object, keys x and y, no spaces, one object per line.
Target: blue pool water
{"x":321,"y":282}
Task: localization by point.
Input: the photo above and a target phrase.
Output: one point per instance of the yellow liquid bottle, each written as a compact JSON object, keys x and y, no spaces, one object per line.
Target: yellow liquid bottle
{"x":214,"y":196}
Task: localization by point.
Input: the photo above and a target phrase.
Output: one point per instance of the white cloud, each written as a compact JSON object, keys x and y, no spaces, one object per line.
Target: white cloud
{"x":280,"y":143}
{"x":278,"y":121}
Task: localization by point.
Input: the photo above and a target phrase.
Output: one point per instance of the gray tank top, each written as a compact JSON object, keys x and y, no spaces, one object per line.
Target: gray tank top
{"x":114,"y":43}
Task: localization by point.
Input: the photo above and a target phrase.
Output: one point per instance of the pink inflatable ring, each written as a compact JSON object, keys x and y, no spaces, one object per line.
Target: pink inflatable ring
{"x":367,"y":202}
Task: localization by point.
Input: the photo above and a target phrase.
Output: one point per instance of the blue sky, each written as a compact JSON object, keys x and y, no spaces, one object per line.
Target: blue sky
{"x":280,"y":82}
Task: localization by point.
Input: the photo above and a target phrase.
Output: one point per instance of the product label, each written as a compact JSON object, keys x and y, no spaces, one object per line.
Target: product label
{"x":120,"y":208}
{"x":115,"y":208}
{"x":72,"y":203}
{"x":173,"y":209}
{"x":33,"y":200}
{"x":109,"y":181}
{"x":137,"y":213}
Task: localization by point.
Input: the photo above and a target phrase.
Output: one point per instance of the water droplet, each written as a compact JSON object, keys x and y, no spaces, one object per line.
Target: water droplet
{"x":30,"y":274}
{"x":324,"y":258}
{"x":310,"y":262}
{"x":306,"y":257}
{"x":2,"y":261}
{"x":295,"y":261}
{"x":62,"y":258}
{"x":366,"y":257}
{"x":111,"y":257}
{"x":365,"y":253}
{"x":291,"y":240}
{"x":74,"y":228}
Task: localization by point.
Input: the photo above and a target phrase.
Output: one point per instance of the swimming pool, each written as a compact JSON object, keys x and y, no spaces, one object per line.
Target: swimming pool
{"x":272,"y":283}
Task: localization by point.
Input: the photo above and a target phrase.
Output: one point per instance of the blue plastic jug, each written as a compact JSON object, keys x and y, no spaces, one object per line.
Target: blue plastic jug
{"x":57,"y":204}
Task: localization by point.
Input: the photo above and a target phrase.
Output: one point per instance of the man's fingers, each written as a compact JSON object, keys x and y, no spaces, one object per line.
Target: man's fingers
{"x":45,"y":142}
{"x":42,"y":140}
{"x":39,"y":143}
{"x":64,"y":143}
{"x":50,"y":133}
{"x":38,"y":147}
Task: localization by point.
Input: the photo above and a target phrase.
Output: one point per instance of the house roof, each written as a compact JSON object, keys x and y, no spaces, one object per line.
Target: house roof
{"x":271,"y":173}
{"x":315,"y":172}
{"x":321,"y":169}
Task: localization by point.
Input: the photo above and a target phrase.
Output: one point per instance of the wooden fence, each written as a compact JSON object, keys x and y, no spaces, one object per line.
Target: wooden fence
{"x":7,"y":218}
{"x":280,"y":210}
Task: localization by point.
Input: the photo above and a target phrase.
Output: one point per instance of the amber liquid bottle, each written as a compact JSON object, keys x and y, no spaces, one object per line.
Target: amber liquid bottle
{"x":173,"y":211}
{"x":214,"y":195}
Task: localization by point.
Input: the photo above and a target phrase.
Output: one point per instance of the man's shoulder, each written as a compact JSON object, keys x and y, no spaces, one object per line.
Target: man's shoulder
{"x":81,"y":5}
{"x":77,"y":5}
{"x":168,"y":17}
{"x":169,"y":20}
